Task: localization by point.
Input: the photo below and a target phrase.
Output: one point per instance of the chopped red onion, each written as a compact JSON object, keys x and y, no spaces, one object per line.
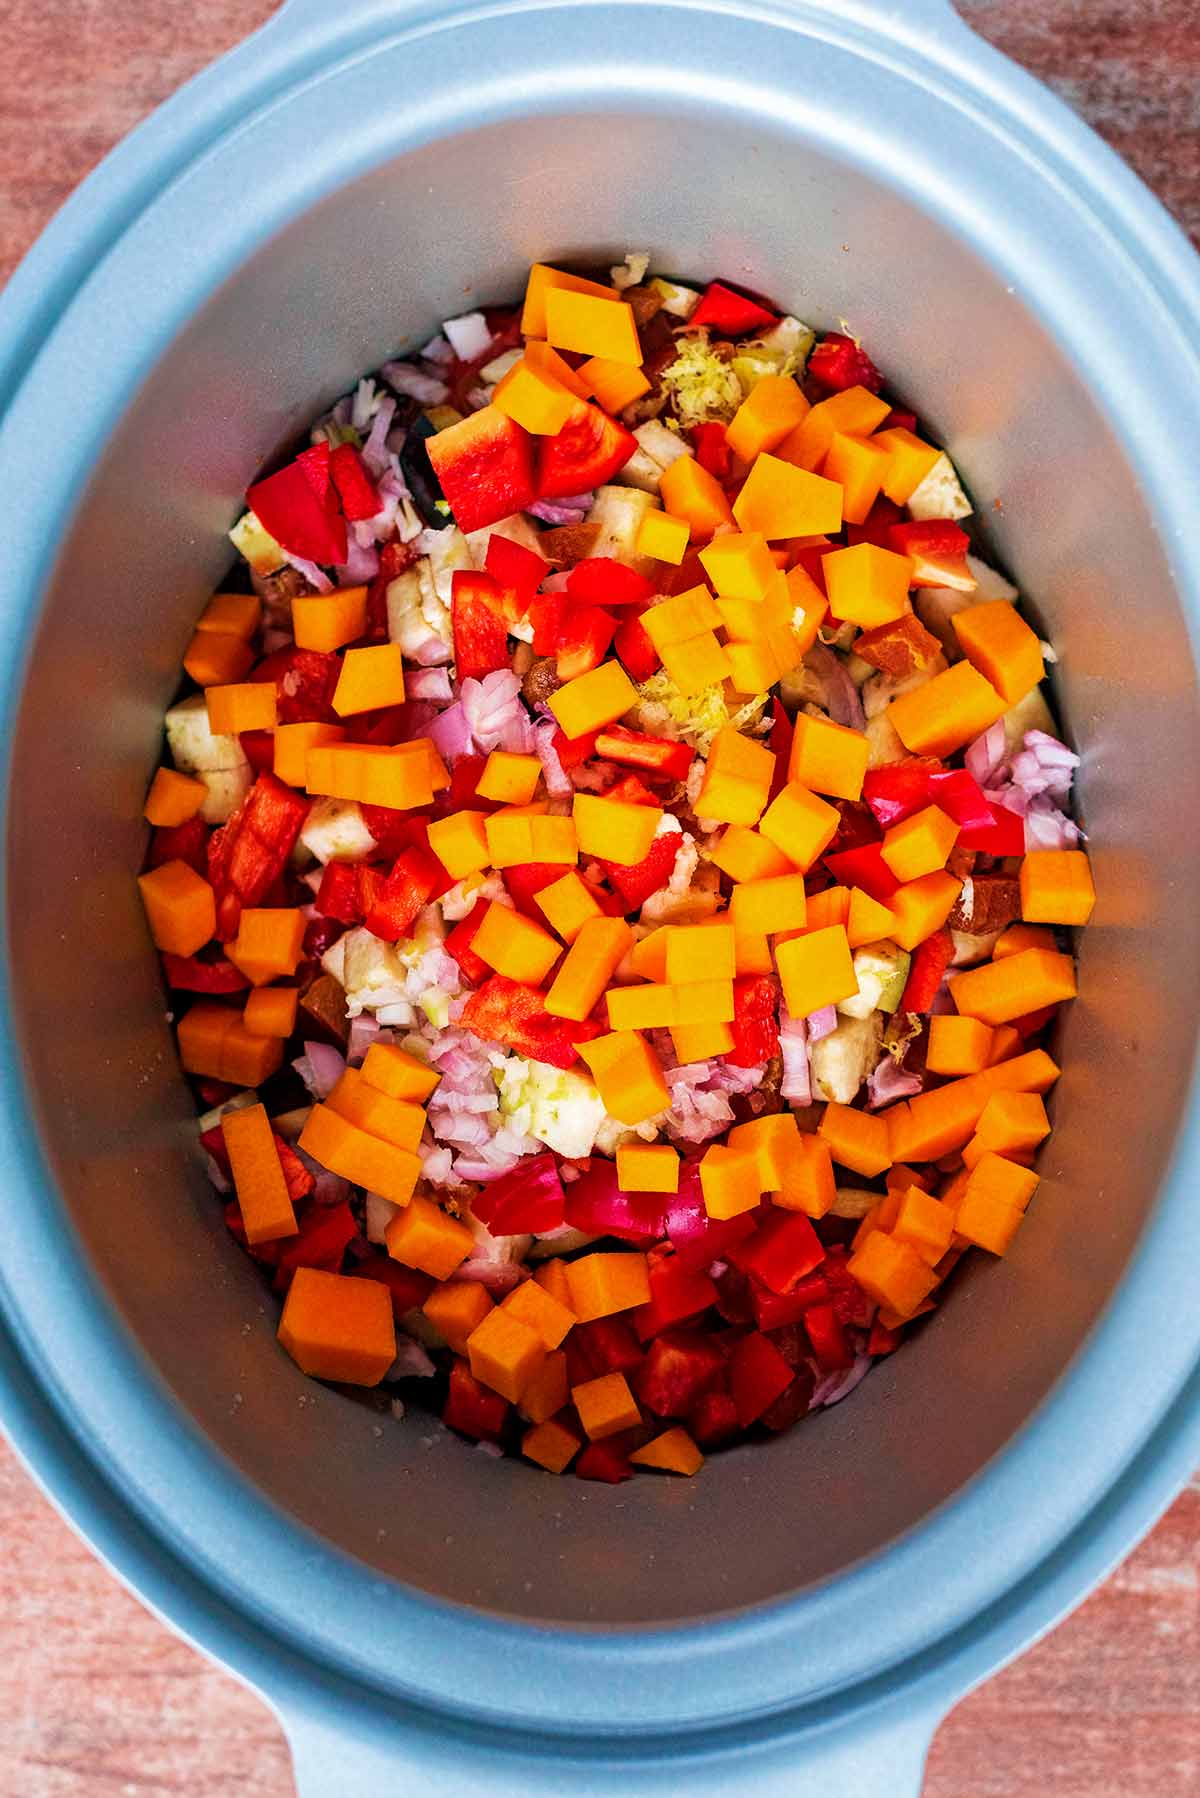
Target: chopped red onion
{"x":375,"y":453}
{"x":437,"y":350}
{"x":986,"y":756}
{"x":427,"y":683}
{"x":407,"y":379}
{"x":821,"y":1023}
{"x":495,"y":715}
{"x":890,"y":1081}
{"x":831,"y":1388}
{"x":361,"y":564}
{"x":320,"y":1067}
{"x":411,"y":1363}
{"x":796,"y":1086}
{"x":839,"y":695}
{"x":550,"y":511}
{"x":558,"y":782}
{"x":316,"y":577}
{"x":364,"y":1030}
{"x":450,"y":733}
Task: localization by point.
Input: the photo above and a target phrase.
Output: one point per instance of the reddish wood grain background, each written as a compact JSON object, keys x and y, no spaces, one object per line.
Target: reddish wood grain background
{"x":99,"y":1700}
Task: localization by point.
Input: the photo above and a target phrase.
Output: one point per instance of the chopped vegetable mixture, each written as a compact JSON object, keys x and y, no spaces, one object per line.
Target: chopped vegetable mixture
{"x":612,"y":873}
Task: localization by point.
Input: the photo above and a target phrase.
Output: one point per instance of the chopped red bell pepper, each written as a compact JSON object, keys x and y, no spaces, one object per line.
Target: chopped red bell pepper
{"x":711,"y":444}
{"x":462,"y":793}
{"x":635,"y":650}
{"x":636,"y":881}
{"x":864,"y":868}
{"x":304,"y":521}
{"x":258,"y":747}
{"x":659,"y":754}
{"x":850,"y":1302}
{"x":314,"y":464}
{"x":601,"y":581}
{"x":697,"y":1239}
{"x":631,"y":789}
{"x":324,"y":1233}
{"x":180,"y":843}
{"x":838,"y":362}
{"x":586,"y":453}
{"x":875,"y":526}
{"x":458,"y":943}
{"x":731,"y":314}
{"x":960,"y":797}
{"x":898,"y":791}
{"x":856,"y":827}
{"x":370,"y":885}
{"x":547,"y":614}
{"x":484,"y":465}
{"x":1005,"y":835}
{"x":830,"y":1344}
{"x":1030,"y":1022}
{"x":249,"y":853}
{"x":596,"y":1204}
{"x":772,"y":1310}
{"x":608,"y":1345}
{"x":386,"y":726}
{"x":713,"y":1419}
{"x":679,"y":1366}
{"x":755,"y":1025}
{"x":391,"y":829}
{"x":572,"y":752}
{"x":408,"y":1286}
{"x":192,"y":974}
{"x":781,"y":1251}
{"x":406,"y":889}
{"x":358,"y":493}
{"x":808,"y":557}
{"x":883,"y":1341}
{"x":792,"y":1405}
{"x":938,"y":548}
{"x":509,"y":1012}
{"x":472,"y":1409}
{"x":929,"y":964}
{"x":733,"y":1293}
{"x":583,"y":638}
{"x":480,"y":633}
{"x":526,"y":1201}
{"x":337,"y":895}
{"x":304,"y":683}
{"x":525,"y":881}
{"x":758,"y":1375}
{"x":898,"y":420}
{"x":518,"y":571}
{"x":604,"y":1461}
{"x":678,"y":1293}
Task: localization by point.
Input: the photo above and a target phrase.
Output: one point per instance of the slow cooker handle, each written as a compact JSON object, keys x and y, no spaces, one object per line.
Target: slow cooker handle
{"x":880,"y":1756}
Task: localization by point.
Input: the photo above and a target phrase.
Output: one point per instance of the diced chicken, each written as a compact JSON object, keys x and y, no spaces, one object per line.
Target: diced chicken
{"x":845,"y":1058}
{"x":940,"y":494}
{"x":334,"y":831}
{"x":219,"y":761}
{"x":619,"y":512}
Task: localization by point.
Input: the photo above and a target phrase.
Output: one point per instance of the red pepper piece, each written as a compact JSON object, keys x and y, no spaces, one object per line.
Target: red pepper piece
{"x":679,"y":1366}
{"x":337,"y":895}
{"x":898,"y":420}
{"x":601,"y":581}
{"x":603,"y":1461}
{"x":180,"y":843}
{"x":458,"y":943}
{"x":782,"y":1250}
{"x":838,"y":362}
{"x":480,"y":633}
{"x":304,"y":683}
{"x":249,"y":853}
{"x":697,"y":1239}
{"x":864,"y":868}
{"x":325,"y":1232}
{"x":636,"y":881}
{"x":258,"y":747}
{"x":1005,"y":836}
{"x":830,"y":1344}
{"x":792,"y":1404}
{"x":358,"y":493}
{"x":314,"y":464}
{"x":191,"y":974}
{"x":596,"y":1204}
{"x":509,"y":1012}
{"x":389,"y":725}
{"x":758,"y":1375}
{"x":462,"y":793}
{"x":755,"y":1026}
{"x":573,"y":751}
{"x":609,"y":1345}
{"x":406,"y":889}
{"x":370,"y":885}
{"x":583,"y":639}
{"x":929,"y":964}
{"x":525,"y":881}
{"x":528,"y":1200}
{"x":899,"y":791}
{"x":713,"y":1419}
{"x":635,"y":650}
{"x":634,"y":750}
{"x":883,"y":1341}
{"x":849,"y":1300}
{"x":677,"y":1294}
{"x":519,"y":572}
{"x":772,"y":1310}
{"x":395,"y":558}
{"x":960,"y":797}
{"x":304,"y":521}
{"x":418,"y":836}
{"x":484,"y":465}
{"x":733,"y":1294}
{"x":938,"y":548}
{"x":856,"y":827}
{"x":265,"y":1252}
{"x":390,"y":828}
{"x":1032,"y":1021}
{"x":407,"y":1285}
{"x":586,"y":453}
{"x":876,"y":525}
{"x":712,"y":449}
{"x":214,"y":1092}
{"x":547,"y":614}
{"x":471,"y":1409}
{"x":731,"y":314}
{"x":808,"y":557}
{"x":631,"y":789}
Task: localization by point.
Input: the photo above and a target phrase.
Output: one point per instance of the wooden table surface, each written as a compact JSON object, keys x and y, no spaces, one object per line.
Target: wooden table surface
{"x":101,"y":1701}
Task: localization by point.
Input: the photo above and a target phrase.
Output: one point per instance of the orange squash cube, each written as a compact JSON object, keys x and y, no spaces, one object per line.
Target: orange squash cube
{"x":808,"y":1179}
{"x":648,"y":958}
{"x":548,"y":1391}
{"x":568,"y":905}
{"x":397,"y":1121}
{"x":1056,"y":887}
{"x":614,"y":385}
{"x":672,"y":1452}
{"x":737,"y":779}
{"x":271,"y":1011}
{"x":781,"y":500}
{"x":248,"y":706}
{"x":740,"y":566}
{"x":173,"y":799}
{"x":764,"y":907}
{"x":772,"y":409}
{"x":988,"y":1222}
{"x":214,"y":1043}
{"x":700,"y":662}
{"x":703,"y":1002}
{"x":396,"y":777}
{"x":815,"y":970}
{"x":587,"y":968}
{"x":425,"y":1237}
{"x":691,"y":493}
{"x":919,"y":844}
{"x":920,"y":907}
{"x":867,"y":585}
{"x":592,"y":326}
{"x":680,"y":618}
{"x":551,"y":1445}
{"x":925,"y":1223}
{"x":809,"y":608}
{"x":856,"y":410}
{"x":857,"y":1139}
{"x":729,"y":1180}
{"x":1009,"y":1124}
{"x":701,"y":952}
{"x":365,"y":1160}
{"x":213,"y":658}
{"x":515,"y":946}
{"x":292,"y":743}
{"x":753,"y":667}
{"x":892,"y":1273}
{"x":958,"y":1045}
{"x":700,"y":1042}
{"x":613,"y":829}
{"x":628,"y":1076}
{"x":593,"y":700}
{"x":370,"y":678}
{"x":258,"y":1180}
{"x":799,"y":824}
{"x":997,"y":641}
{"x":328,"y":621}
{"x":456,"y":1308}
{"x":505,"y":1354}
{"x":909,"y":461}
{"x":664,"y":538}
{"x":269,"y":942}
{"x":650,"y":1007}
{"x":512,"y":779}
{"x":828,"y":758}
{"x":232,"y":614}
{"x":605,"y":1406}
{"x":607,"y":1282}
{"x":831,"y":906}
{"x":1006,"y":1042}
{"x":460,"y":843}
{"x":647,"y":1167}
{"x":338,"y":1328}
{"x":772,"y":1140}
{"x":395,"y":1072}
{"x":1023,"y":936}
{"x":533,"y":399}
{"x":180,"y":908}
{"x":947,"y":712}
{"x":745,"y":855}
{"x":866,"y":920}
{"x":860,"y":465}
{"x":541,"y":280}
{"x":1000,"y":991}
{"x":538,"y":1308}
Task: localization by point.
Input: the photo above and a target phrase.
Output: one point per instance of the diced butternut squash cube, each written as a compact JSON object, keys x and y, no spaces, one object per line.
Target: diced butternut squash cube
{"x":808,"y":1180}
{"x":456,"y":1308}
{"x":650,"y":1007}
{"x":799,"y":824}
{"x":909,"y":461}
{"x":816,"y":970}
{"x":568,"y":905}
{"x":958,"y":1045}
{"x":947,"y":712}
{"x":292,"y":743}
{"x":538,"y":1308}
{"x":545,"y":361}
{"x":328,"y":621}
{"x":1056,"y":887}
{"x":269,"y":942}
{"x":1006,"y":1042}
{"x":753,"y":667}
{"x":737,"y":779}
{"x":533,"y":399}
{"x":647,"y":1167}
{"x":1010,"y":1124}
{"x":663,"y":537}
{"x":700,"y":1042}
{"x":180,"y":908}
{"x":867,"y":585}
{"x":505,"y":1353}
{"x":607,"y":1282}
{"x":701,"y":952}
{"x":680,"y":618}
{"x":594,"y":699}
{"x":592,"y":326}
{"x":512,"y":779}
{"x":613,"y":829}
{"x":214,"y":1043}
{"x":548,"y":1391}
{"x":173,"y":799}
{"x":605,"y":1406}
{"x":925,"y":1223}
{"x":1023,"y":936}
{"x":271,"y":1011}
{"x":703,"y":1002}
{"x":551,"y":1444}
{"x":919,"y":844}
{"x":764,"y":907}
{"x":258,"y":1180}
{"x":828,"y":758}
{"x":338,"y":1328}
{"x":554,"y":840}
{"x":997,"y":641}
{"x":867,"y":921}
{"x":396,"y":777}
{"x":365,"y":1160}
{"x":614,"y":385}
{"x":921,"y":907}
{"x":810,"y":607}
{"x":672,"y":1452}
{"x":425,"y":1237}
{"x":628,"y":1076}
{"x":988,"y":1222}
{"x":739,"y":564}
{"x":541,"y":280}
{"x":700,"y":662}
{"x":892,"y":1273}
{"x":248,"y":706}
{"x":781,"y":500}
{"x":772,"y":409}
{"x":247,"y":1060}
{"x":772,"y":1140}
{"x":860,"y":466}
{"x":587,"y":968}
{"x":215,"y":658}
{"x":855,"y":409}
{"x":232,"y":614}
{"x":397,"y":1121}
{"x":1000,"y":991}
{"x":832,"y":906}
{"x":857,"y":1139}
{"x":393,"y":1070}
{"x":515,"y":946}
{"x":691,"y":493}
{"x":745,"y":855}
{"x":729,"y":1180}
{"x":460,"y":843}
{"x":370,"y":678}
{"x":648,"y":958}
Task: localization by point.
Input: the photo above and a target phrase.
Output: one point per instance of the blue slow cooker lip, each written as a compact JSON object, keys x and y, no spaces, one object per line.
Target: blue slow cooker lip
{"x":89,"y":228}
